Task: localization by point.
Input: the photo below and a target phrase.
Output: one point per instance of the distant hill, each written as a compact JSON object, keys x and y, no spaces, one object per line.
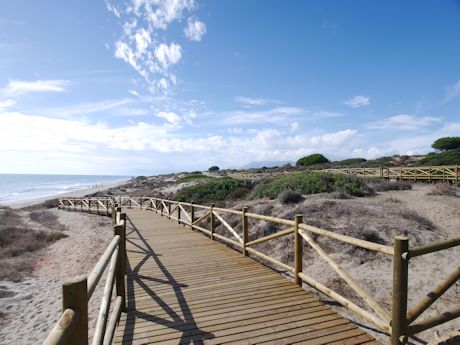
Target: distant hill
{"x":267,"y":164}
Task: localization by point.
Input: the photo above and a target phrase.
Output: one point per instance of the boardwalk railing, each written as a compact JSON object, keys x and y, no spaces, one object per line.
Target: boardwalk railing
{"x":72,"y":327}
{"x":446,"y":173}
{"x":400,"y":323}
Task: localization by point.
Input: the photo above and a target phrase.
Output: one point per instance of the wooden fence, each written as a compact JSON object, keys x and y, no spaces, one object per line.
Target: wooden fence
{"x":400,"y":322}
{"x":446,"y":173}
{"x":72,"y":327}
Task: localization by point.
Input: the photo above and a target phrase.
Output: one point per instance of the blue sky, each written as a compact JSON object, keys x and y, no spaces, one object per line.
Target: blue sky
{"x":149,"y":86}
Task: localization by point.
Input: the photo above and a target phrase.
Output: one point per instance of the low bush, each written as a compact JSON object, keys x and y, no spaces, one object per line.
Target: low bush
{"x":15,"y":241}
{"x":415,"y":217}
{"x":212,"y":190}
{"x":47,"y":219}
{"x":192,"y":177}
{"x":9,"y":218}
{"x":311,"y":183}
{"x":443,"y":189}
{"x":382,"y":185}
{"x":289,"y":197}
{"x":239,"y":193}
{"x":56,"y":236}
{"x":443,"y":158}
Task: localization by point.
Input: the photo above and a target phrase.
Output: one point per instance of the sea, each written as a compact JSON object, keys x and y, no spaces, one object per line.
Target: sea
{"x":16,"y":188}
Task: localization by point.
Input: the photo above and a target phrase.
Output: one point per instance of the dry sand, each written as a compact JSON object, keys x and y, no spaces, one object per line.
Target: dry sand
{"x":33,"y":305}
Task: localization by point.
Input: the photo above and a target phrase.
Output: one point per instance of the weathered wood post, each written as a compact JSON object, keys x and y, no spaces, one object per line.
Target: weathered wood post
{"x":169,"y":210}
{"x":400,"y":281}
{"x":456,"y":172}
{"x":97,"y":205}
{"x":192,"y":215}
{"x":120,"y":230}
{"x":75,"y":296}
{"x":297,"y":250}
{"x":178,"y":213}
{"x":213,"y":221}
{"x":74,"y":205}
{"x":244,"y":224}
{"x":130,"y":202}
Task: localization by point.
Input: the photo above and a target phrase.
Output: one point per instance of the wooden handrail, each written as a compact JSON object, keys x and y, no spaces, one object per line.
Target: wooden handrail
{"x":63,"y":328}
{"x":72,"y":327}
{"x":97,"y":271}
{"x":422,"y":250}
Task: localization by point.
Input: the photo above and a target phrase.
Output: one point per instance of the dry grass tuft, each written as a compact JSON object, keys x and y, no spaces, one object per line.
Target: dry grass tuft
{"x":381,"y":185}
{"x":47,"y":219}
{"x":443,"y":189}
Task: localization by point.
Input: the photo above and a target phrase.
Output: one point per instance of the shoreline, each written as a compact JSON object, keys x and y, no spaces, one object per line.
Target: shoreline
{"x":76,"y":194}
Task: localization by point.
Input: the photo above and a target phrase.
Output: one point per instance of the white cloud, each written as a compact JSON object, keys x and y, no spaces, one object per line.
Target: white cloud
{"x":169,"y":116}
{"x":168,"y":55}
{"x":235,"y":130}
{"x":87,"y":108}
{"x":195,"y":30}
{"x":255,"y":101}
{"x":405,"y":122}
{"x":17,"y":88}
{"x":452,"y":91}
{"x":142,"y":44}
{"x":7,"y":103}
{"x":295,"y":126}
{"x":357,"y":101}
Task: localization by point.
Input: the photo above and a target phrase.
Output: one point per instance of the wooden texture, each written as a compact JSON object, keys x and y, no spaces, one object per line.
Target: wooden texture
{"x":183,"y":288}
{"x":74,"y":296}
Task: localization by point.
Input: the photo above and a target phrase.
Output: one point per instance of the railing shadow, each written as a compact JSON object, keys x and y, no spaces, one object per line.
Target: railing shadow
{"x":184,"y":323}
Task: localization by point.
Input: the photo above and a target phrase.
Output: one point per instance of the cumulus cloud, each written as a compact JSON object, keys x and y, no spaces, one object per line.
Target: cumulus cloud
{"x":143,"y":43}
{"x":16,"y":88}
{"x":405,"y":122}
{"x":168,"y":55}
{"x":452,"y":91}
{"x":358,"y":101}
{"x":169,"y":116}
{"x":195,"y":30}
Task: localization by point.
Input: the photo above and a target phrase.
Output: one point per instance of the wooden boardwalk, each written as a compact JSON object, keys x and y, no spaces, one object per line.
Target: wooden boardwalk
{"x":184,"y":288}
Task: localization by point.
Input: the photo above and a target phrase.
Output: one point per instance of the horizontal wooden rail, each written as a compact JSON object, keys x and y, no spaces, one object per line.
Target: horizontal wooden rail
{"x":422,"y":250}
{"x":97,"y":271}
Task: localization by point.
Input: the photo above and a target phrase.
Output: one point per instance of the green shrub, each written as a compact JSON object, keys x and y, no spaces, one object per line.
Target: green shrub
{"x":56,"y":236}
{"x":311,"y":183}
{"x":446,"y":143}
{"x":213,"y":190}
{"x":443,"y":158}
{"x":213,"y":168}
{"x":191,"y":177}
{"x":350,"y":162}
{"x":315,"y":158}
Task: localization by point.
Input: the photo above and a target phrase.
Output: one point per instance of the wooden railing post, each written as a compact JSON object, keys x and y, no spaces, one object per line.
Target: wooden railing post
{"x":130,"y":202}
{"x":400,"y":281}
{"x":178,"y":214}
{"x":297,"y":250}
{"x":244,"y":224}
{"x":120,"y":230}
{"x":97,"y":205}
{"x":75,"y":296}
{"x":213,"y":221}
{"x":169,"y":210}
{"x":192,"y":215}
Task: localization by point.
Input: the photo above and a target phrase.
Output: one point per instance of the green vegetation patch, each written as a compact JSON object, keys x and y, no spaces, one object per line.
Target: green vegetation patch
{"x":315,"y":158}
{"x":450,"y":157}
{"x":312,"y":183}
{"x":192,"y":177}
{"x":213,"y":190}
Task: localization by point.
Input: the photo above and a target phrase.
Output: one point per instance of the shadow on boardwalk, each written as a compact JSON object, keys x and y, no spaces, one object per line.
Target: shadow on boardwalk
{"x":185,"y":323}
